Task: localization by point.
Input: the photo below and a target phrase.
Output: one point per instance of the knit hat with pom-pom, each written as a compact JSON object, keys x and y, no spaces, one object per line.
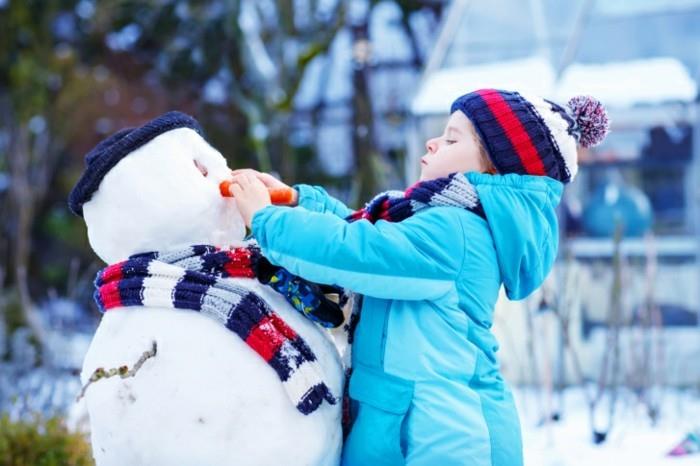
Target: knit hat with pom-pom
{"x":533,"y":136}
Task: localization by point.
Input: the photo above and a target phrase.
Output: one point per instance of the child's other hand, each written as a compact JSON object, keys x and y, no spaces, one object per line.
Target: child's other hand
{"x":268,"y":180}
{"x":251,"y":195}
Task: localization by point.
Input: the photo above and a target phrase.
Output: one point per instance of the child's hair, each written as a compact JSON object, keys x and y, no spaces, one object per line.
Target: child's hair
{"x":483,"y":154}
{"x":490,"y":168}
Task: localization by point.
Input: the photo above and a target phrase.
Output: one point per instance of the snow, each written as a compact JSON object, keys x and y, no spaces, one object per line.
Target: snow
{"x":68,"y":348}
{"x":28,"y":391}
{"x":205,"y":397}
{"x":617,"y":84}
{"x":390,"y":43}
{"x":534,"y":75}
{"x":632,"y":441}
{"x":643,"y":7}
{"x":625,"y":84}
{"x":257,"y":52}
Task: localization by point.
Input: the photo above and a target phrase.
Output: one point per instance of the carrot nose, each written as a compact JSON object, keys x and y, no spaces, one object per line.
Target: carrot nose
{"x":278,"y":196}
{"x":224,"y":188}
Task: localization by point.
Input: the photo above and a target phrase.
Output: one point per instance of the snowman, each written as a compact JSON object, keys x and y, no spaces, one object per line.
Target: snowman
{"x":214,"y":367}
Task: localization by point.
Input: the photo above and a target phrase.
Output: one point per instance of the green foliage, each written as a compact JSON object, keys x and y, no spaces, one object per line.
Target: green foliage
{"x":28,"y":67}
{"x":54,"y":274}
{"x":12,"y":314}
{"x":41,"y":442}
{"x":59,"y":224}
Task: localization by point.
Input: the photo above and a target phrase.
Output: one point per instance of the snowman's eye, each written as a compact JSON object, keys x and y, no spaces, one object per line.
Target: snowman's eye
{"x":201,"y":168}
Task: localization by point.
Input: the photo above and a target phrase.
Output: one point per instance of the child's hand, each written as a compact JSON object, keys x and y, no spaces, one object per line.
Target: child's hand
{"x":268,"y":180}
{"x":251,"y":195}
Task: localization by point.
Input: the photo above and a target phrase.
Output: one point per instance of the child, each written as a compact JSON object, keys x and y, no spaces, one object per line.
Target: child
{"x":430,"y":263}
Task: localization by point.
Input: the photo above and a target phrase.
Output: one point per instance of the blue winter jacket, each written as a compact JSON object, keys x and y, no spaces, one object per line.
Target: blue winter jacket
{"x":426,"y":381}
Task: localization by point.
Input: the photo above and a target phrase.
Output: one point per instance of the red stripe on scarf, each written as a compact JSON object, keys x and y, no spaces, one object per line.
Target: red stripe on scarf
{"x":282,"y":327}
{"x":515,"y":131}
{"x":238,"y":264}
{"x":384,"y":214}
{"x":109,"y":292}
{"x":265,"y":338}
{"x":112,"y":272}
{"x":358,"y":214}
{"x":407,"y":192}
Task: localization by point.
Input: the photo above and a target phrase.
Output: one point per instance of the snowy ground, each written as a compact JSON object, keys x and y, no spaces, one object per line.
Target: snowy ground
{"x":632,"y":441}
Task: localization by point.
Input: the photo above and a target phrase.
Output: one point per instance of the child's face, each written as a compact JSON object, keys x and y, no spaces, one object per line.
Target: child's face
{"x":456,"y":150}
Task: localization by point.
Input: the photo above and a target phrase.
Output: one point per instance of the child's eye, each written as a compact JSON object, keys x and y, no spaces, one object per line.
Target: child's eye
{"x":450,"y":141}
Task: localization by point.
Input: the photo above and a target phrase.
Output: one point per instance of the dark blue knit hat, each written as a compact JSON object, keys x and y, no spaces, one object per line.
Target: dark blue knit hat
{"x":105,"y":155}
{"x":533,"y":136}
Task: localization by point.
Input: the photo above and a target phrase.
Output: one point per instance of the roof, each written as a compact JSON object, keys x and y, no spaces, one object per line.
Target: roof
{"x":617,"y":84}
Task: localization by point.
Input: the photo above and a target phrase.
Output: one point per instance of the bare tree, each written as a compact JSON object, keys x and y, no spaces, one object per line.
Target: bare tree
{"x":40,"y":80}
{"x":646,"y":374}
{"x":31,"y":162}
{"x":609,"y":376}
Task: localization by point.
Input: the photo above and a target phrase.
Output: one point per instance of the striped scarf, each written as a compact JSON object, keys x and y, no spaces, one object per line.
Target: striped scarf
{"x":394,"y":206}
{"x":195,"y":278}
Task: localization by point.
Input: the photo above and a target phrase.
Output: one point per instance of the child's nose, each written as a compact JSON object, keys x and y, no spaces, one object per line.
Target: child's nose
{"x":431,"y":146}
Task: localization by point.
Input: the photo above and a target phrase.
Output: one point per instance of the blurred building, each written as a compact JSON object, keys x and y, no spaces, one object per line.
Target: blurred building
{"x":640,"y":59}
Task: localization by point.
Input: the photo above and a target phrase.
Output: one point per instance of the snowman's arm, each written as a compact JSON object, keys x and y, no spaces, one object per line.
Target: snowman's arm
{"x":418,"y":258}
{"x":316,"y":199}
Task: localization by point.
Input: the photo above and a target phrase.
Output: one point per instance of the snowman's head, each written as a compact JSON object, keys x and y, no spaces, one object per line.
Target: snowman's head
{"x":162,"y":195}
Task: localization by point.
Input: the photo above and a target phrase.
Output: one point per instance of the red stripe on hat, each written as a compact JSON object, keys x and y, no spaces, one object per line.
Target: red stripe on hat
{"x":265,"y":338}
{"x":515,"y":131}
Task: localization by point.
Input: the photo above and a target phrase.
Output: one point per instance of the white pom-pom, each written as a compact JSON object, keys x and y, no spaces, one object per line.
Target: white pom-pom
{"x":592,"y":119}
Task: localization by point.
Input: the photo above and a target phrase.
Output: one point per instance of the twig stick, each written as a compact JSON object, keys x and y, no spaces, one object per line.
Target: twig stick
{"x":121,"y":371}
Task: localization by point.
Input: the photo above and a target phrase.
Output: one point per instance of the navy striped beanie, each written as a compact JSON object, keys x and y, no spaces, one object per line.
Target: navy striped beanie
{"x":533,"y":136}
{"x":105,"y":155}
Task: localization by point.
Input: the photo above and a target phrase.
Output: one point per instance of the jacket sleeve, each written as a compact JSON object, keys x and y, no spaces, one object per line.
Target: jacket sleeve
{"x":316,"y":199}
{"x":419,"y":258}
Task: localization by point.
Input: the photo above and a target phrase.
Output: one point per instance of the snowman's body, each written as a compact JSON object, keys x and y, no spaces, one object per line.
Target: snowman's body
{"x":206,"y":397}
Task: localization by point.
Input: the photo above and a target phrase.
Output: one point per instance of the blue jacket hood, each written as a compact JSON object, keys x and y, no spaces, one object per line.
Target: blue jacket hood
{"x":521,"y":213}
